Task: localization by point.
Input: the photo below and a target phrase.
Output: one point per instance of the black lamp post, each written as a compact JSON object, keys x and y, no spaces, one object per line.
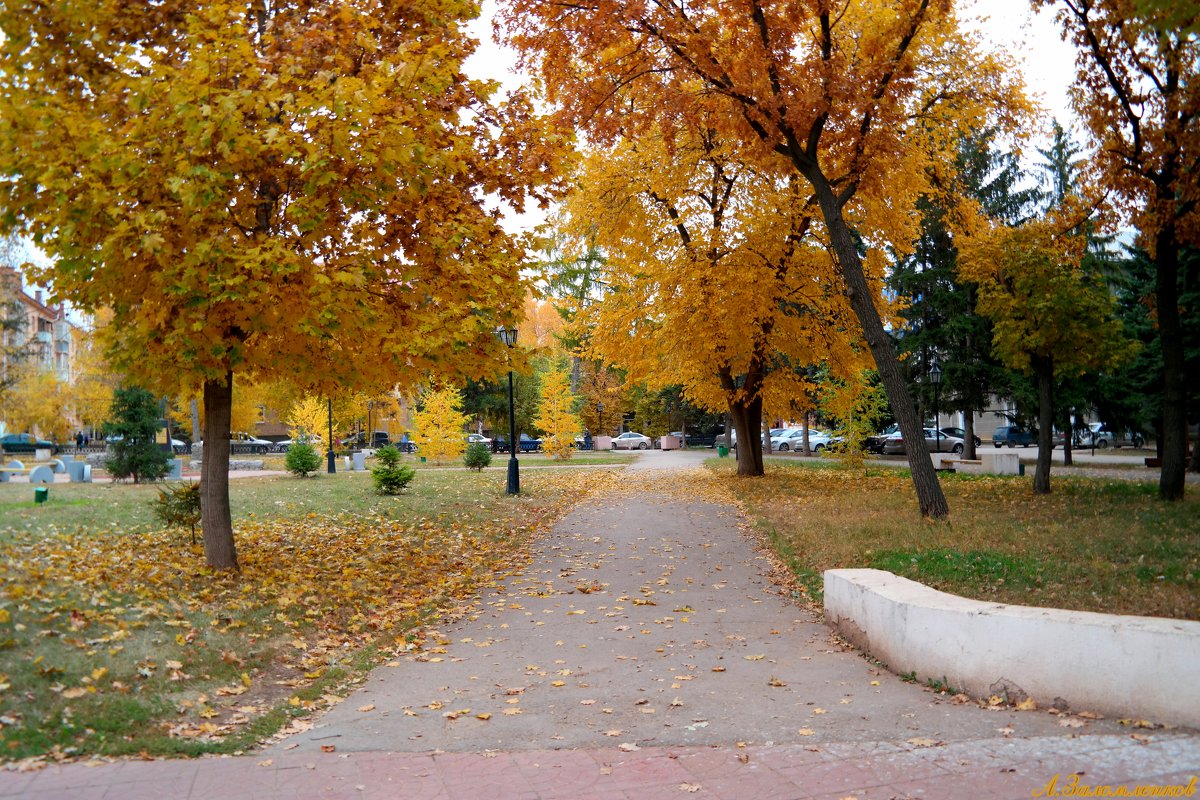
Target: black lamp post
{"x":935,"y":376}
{"x":332,"y":469}
{"x":509,"y":337}
{"x":600,"y":418}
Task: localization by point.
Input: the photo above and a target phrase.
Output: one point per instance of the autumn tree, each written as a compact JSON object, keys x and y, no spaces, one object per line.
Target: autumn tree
{"x":556,"y":416}
{"x":1050,"y":317}
{"x":37,"y":401}
{"x":852,"y":100}
{"x":715,"y":279}
{"x":439,"y":425}
{"x":1137,"y":88}
{"x":307,"y":417}
{"x":268,"y":189}
{"x":93,"y":383}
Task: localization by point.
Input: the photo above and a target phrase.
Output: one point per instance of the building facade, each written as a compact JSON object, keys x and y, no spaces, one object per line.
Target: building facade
{"x":41,"y":333}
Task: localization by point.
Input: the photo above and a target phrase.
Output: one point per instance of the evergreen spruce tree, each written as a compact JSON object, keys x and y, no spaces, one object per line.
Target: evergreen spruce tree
{"x":135,"y":422}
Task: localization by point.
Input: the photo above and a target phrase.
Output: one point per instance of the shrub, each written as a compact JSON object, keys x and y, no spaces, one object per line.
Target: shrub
{"x":302,"y":459}
{"x":477,"y":456}
{"x":179,"y":506}
{"x":389,"y":475}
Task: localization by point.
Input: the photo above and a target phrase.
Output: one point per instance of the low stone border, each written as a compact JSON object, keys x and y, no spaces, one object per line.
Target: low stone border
{"x":1144,"y":667}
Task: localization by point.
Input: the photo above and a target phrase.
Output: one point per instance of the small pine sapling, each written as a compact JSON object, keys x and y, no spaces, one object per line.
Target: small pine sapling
{"x":302,"y":459}
{"x":478,"y":456}
{"x":179,"y":506}
{"x":389,"y":475}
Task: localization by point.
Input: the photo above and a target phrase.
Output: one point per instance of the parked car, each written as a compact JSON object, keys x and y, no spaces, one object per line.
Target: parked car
{"x":528,"y":444}
{"x":1098,"y":436}
{"x":962,"y":434}
{"x":1014,"y":435}
{"x":478,"y":438}
{"x":25,"y":443}
{"x":793,"y":439}
{"x":935,"y":440}
{"x":245,"y":443}
{"x":631,"y":440}
{"x":311,"y":439}
{"x":874,"y":444}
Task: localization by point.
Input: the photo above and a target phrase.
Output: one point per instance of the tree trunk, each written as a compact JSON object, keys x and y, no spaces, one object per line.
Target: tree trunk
{"x":807,"y":419}
{"x":1174,"y":402}
{"x":197,"y":434}
{"x":766,"y":437}
{"x":930,"y":498}
{"x":747,"y":419}
{"x":1043,"y":368}
{"x":215,"y":518}
{"x":969,"y":434}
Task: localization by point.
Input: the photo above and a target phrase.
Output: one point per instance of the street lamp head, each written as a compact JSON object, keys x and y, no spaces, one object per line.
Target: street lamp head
{"x":507,"y":335}
{"x":935,"y":373}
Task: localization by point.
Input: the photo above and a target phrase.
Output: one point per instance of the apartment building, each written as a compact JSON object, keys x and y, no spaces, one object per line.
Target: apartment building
{"x":43,"y":333}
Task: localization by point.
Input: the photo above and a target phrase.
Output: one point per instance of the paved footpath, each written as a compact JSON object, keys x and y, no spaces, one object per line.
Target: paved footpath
{"x":647,"y":653}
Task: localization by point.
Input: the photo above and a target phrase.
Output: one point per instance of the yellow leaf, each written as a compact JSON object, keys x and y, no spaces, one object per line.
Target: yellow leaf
{"x":756,"y":657}
{"x":558,"y":683}
{"x":483,"y":715}
{"x":367,"y":707}
{"x":1028,"y":704}
{"x":806,"y":731}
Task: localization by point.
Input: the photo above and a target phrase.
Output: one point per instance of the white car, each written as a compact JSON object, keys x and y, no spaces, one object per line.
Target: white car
{"x":631,"y":441}
{"x":478,"y":438}
{"x":793,"y":439}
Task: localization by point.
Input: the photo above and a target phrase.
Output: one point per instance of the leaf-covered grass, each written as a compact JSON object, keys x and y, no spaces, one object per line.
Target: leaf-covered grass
{"x":117,"y":640}
{"x":1092,"y":544}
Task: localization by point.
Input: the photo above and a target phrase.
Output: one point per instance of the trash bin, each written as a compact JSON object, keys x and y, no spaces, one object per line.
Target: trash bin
{"x":722,"y":451}
{"x":41,"y":494}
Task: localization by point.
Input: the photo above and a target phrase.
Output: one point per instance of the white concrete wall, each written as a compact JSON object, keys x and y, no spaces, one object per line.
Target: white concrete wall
{"x":1122,"y":666}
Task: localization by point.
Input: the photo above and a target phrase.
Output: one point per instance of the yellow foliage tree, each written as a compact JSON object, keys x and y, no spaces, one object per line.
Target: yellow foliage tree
{"x":93,"y":383}
{"x":858,"y":102}
{"x":302,"y":190}
{"x":555,"y":414}
{"x":37,"y":401}
{"x":439,"y":426}
{"x":718,"y":280}
{"x":308,"y":416}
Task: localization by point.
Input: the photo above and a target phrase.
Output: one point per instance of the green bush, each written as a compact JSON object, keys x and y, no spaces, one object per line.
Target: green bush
{"x":302,"y":459}
{"x":179,"y":506}
{"x":478,"y":456}
{"x":390,"y":476}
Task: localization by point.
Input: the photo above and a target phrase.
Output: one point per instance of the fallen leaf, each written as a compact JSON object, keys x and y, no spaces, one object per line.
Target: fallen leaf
{"x":921,"y":741}
{"x":328,"y":748}
{"x":1141,"y":738}
{"x":718,"y":669}
{"x":1090,"y":715}
{"x":483,"y":715}
{"x":367,"y":707}
{"x":266,"y":763}
{"x":613,"y":733}
{"x":628,"y":747}
{"x":806,"y":731}
{"x":689,"y":787}
{"x":755,"y":657}
{"x":1071,"y":722}
{"x":1028,"y":704}
{"x":775,"y":682}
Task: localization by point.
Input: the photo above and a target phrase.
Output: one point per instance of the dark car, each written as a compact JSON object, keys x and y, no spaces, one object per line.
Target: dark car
{"x":1013,"y":435}
{"x":874,"y":444}
{"x":961,"y":434}
{"x":25,"y":443}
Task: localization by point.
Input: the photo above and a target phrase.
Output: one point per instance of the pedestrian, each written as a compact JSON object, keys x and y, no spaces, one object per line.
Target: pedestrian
{"x":79,"y":442}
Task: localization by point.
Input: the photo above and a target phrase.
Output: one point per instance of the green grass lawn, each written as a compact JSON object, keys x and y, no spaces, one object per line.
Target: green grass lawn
{"x":1092,"y":544}
{"x":116,"y":639}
